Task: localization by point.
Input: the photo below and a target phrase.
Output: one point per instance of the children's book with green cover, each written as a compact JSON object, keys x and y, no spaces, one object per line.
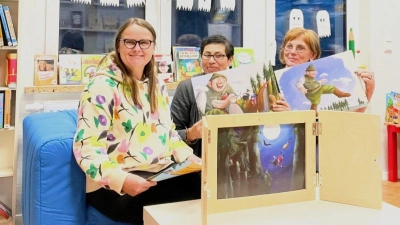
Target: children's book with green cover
{"x":187,"y":62}
{"x":243,"y":56}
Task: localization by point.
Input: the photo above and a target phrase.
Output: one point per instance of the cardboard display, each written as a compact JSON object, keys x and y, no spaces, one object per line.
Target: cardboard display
{"x":348,"y":173}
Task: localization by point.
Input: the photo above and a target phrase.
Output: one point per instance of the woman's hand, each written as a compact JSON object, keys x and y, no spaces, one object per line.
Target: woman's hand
{"x":194,"y":159}
{"x":134,"y":185}
{"x":369,"y":80}
{"x":281,"y":105}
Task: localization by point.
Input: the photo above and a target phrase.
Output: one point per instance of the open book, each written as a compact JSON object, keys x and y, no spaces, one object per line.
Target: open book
{"x":173,"y":170}
{"x":328,"y":83}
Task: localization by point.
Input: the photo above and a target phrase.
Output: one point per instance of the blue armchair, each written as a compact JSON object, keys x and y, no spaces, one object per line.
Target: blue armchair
{"x":53,"y":185}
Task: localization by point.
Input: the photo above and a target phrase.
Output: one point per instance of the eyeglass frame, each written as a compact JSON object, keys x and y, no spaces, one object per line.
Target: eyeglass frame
{"x":297,"y":49}
{"x":136,"y":42}
{"x":208,"y":57}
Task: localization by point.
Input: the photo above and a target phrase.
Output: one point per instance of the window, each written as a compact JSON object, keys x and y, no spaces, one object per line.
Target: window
{"x":91,"y":28}
{"x":203,"y":23}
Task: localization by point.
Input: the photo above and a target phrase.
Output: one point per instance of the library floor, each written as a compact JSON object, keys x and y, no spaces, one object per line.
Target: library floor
{"x":391,"y":193}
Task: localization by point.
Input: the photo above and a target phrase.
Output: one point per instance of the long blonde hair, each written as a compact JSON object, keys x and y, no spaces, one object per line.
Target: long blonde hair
{"x":309,"y":37}
{"x":149,"y":70}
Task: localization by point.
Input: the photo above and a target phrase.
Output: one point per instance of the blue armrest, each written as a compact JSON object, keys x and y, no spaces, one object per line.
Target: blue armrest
{"x":53,"y":185}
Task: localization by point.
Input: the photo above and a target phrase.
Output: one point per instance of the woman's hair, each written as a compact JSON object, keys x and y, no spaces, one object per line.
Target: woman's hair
{"x":309,"y":37}
{"x":73,"y":39}
{"x":150,"y":70}
{"x":218,"y":39}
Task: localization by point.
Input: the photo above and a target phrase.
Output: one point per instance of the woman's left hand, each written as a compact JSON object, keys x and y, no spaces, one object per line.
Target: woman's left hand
{"x":281,"y":105}
{"x":194,"y":159}
{"x":369,"y":79}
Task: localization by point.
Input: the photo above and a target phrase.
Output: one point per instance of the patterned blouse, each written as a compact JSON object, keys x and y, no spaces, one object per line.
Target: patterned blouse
{"x":114,"y":136}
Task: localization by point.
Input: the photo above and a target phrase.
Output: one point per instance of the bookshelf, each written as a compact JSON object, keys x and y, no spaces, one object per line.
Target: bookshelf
{"x":8,"y":136}
{"x":71,"y":88}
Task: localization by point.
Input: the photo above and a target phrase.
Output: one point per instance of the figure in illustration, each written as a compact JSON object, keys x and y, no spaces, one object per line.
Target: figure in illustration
{"x":163,"y":67}
{"x":313,"y":89}
{"x":218,"y":97}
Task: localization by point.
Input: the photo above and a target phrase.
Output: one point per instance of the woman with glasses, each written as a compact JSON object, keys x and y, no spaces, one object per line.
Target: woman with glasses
{"x":217,"y":55}
{"x":302,"y":45}
{"x":124,"y":125}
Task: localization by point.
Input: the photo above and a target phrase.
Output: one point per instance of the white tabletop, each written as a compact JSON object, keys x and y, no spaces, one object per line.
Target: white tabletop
{"x":307,"y":213}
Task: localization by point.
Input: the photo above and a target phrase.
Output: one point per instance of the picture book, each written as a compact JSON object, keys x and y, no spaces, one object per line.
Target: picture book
{"x":1,"y":109}
{"x":173,"y":170}
{"x":328,"y":83}
{"x":89,"y":66}
{"x":264,"y":155}
{"x":7,"y":108}
{"x":164,"y":67}
{"x":70,"y":70}
{"x":187,"y":62}
{"x":243,"y":56}
{"x":45,"y":70}
{"x":5,"y":27}
{"x":246,"y":89}
{"x":11,"y":70}
{"x":10,"y":25}
{"x":5,"y":211}
{"x":392,"y":107}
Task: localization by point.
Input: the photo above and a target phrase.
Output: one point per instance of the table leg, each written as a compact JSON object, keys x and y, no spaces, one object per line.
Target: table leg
{"x":392,"y":153}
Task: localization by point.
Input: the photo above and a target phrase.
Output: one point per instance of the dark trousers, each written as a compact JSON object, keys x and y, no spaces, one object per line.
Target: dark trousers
{"x":129,"y":209}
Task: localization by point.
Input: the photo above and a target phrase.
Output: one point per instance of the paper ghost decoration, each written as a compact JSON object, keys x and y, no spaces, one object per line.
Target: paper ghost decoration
{"x":323,"y":24}
{"x":296,"y":19}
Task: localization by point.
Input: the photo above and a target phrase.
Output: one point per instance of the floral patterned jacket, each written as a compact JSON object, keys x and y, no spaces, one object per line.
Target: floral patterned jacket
{"x":114,"y":136}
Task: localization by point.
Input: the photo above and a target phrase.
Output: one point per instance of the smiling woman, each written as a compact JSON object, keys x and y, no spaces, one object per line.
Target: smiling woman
{"x":125,"y":125}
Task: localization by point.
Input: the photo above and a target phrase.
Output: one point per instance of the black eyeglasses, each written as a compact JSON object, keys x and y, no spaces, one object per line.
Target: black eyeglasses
{"x":216,"y":56}
{"x":130,"y":43}
{"x":299,"y":48}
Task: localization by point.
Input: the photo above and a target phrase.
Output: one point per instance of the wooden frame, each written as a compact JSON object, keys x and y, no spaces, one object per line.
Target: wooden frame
{"x":348,"y":148}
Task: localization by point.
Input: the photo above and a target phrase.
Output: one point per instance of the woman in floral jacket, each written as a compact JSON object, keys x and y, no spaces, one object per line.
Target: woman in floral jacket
{"x":124,"y":125}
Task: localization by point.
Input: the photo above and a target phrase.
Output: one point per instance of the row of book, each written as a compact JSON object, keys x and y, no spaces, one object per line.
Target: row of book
{"x":392,"y":107}
{"x":7,"y":32}
{"x":68,"y":69}
{"x":5,"y":108}
{"x":186,"y":62}
{"x":75,"y":69}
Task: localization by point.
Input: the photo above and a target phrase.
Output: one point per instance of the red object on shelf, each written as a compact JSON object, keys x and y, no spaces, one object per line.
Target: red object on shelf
{"x":11,"y":70}
{"x":392,"y":131}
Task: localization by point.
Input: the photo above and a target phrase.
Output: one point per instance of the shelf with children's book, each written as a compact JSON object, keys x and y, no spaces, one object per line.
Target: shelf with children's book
{"x":70,"y":88}
{"x":8,"y":48}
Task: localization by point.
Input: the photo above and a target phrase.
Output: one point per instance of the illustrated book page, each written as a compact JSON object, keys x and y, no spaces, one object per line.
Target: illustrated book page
{"x":328,"y":83}
{"x":187,"y":62}
{"x":173,"y":170}
{"x":243,"y":56}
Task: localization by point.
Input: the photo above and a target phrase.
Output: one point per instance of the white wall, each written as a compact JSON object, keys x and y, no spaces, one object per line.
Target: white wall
{"x":378,"y":24}
{"x":383,"y":22}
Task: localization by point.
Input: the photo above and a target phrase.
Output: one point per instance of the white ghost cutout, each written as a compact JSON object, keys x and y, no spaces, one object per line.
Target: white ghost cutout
{"x":323,"y":23}
{"x":296,"y":19}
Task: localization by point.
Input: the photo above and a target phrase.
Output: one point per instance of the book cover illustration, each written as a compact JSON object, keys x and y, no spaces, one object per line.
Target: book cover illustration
{"x":243,"y":56}
{"x":45,"y":70}
{"x":252,"y":160}
{"x":392,"y":107}
{"x":89,"y":66}
{"x":7,"y":108}
{"x":246,"y":89}
{"x":187,"y":62}
{"x":164,"y":67}
{"x":328,"y":83}
{"x":70,"y":69}
{"x":173,"y":170}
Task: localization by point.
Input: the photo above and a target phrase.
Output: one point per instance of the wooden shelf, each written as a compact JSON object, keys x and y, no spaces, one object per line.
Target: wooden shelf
{"x":8,"y":47}
{"x":6,"y":172}
{"x":70,"y":88}
{"x":6,"y":129}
